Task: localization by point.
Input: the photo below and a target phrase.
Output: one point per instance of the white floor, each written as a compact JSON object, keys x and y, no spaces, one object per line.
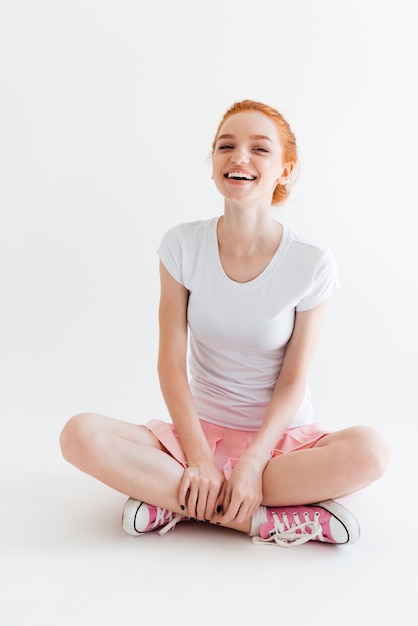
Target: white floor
{"x":65,"y":561}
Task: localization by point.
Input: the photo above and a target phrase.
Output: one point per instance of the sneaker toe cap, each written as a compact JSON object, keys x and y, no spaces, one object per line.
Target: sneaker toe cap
{"x":135,"y":517}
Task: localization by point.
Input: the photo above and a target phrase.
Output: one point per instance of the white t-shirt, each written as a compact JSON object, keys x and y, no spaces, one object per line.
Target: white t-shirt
{"x":239,"y":331}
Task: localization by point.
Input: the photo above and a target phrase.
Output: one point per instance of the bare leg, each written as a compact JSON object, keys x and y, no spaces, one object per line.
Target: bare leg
{"x":337,"y":465}
{"x":131,"y":460}
{"x":126,"y":457}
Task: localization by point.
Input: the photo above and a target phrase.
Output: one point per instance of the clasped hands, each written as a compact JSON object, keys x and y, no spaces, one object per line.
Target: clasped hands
{"x":205,"y":494}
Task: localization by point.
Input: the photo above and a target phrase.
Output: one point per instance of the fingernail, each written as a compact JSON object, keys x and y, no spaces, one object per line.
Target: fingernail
{"x":219,"y":509}
{"x":182,"y":507}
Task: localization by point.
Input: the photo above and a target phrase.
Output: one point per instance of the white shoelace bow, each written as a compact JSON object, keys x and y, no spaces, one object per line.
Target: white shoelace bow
{"x":286,"y":534}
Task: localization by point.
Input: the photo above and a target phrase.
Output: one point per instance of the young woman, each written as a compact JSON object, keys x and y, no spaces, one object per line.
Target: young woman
{"x":247,"y":296}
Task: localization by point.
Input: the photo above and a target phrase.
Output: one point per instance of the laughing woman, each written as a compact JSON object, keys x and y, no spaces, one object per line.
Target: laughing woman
{"x":247,"y":296}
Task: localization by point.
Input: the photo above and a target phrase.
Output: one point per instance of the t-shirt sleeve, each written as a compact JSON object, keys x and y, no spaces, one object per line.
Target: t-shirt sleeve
{"x":170,"y":253}
{"x":324,"y":283}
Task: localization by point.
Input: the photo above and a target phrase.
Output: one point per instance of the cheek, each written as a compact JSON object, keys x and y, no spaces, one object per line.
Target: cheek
{"x":216,"y":169}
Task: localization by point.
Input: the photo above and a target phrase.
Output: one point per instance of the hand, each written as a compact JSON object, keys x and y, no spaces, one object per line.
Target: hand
{"x":243,"y":492}
{"x":199,"y":490}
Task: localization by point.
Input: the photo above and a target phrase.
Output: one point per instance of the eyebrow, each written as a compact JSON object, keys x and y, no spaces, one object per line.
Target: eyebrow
{"x":251,"y":137}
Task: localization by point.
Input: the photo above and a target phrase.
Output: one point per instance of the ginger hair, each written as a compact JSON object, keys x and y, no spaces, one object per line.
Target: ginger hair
{"x":287,"y":138}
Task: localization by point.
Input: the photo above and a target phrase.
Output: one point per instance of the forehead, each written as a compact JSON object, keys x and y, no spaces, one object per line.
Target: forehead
{"x":248,"y":123}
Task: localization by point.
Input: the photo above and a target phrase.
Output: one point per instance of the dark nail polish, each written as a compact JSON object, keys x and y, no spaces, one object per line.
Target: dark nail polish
{"x":182,"y":507}
{"x":219,"y":509}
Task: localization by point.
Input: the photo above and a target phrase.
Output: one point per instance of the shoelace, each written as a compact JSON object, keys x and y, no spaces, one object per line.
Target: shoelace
{"x":163,"y":516}
{"x":172,"y":524}
{"x":286,"y":534}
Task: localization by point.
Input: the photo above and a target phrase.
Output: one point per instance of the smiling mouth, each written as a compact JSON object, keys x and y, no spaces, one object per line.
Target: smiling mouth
{"x":239,"y":176}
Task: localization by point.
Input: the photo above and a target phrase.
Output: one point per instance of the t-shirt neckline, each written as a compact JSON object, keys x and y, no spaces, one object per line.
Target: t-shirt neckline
{"x":258,"y":279}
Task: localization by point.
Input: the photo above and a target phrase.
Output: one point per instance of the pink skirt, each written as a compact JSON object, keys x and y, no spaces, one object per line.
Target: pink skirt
{"x":227,"y":444}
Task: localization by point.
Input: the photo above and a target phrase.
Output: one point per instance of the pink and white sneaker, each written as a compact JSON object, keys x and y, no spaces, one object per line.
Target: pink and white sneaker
{"x":327,"y":521}
{"x":139,"y":518}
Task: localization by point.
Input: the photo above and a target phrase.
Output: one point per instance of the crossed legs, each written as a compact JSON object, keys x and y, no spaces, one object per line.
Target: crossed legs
{"x":130,"y":459}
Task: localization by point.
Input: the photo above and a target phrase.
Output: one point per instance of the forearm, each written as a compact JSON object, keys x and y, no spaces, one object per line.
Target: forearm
{"x":283,"y":405}
{"x":180,"y":404}
{"x":290,"y":386}
{"x":201,"y":482}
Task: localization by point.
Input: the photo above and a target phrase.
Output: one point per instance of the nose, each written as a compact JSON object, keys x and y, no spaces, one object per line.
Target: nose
{"x":240,"y":155}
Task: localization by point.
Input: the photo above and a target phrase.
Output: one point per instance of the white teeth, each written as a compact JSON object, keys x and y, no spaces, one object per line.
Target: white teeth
{"x":240,"y":175}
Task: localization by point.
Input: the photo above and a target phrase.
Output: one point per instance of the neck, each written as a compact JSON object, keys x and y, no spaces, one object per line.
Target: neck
{"x":248,"y":230}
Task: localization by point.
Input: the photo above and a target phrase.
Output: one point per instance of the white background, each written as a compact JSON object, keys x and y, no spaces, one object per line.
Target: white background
{"x":107,"y":113}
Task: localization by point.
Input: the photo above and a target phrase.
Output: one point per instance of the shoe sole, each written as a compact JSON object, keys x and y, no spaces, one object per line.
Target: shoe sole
{"x":344,"y":516}
{"x":130,"y":512}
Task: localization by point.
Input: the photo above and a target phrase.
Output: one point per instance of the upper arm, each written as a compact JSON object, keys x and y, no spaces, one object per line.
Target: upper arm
{"x":302,"y":344}
{"x":172,"y":320}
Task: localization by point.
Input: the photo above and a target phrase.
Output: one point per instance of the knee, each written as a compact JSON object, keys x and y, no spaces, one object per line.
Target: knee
{"x":370,"y":451}
{"x":79,"y":438}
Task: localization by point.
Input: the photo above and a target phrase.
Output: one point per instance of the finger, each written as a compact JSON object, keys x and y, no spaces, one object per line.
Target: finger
{"x":231,"y":510}
{"x":229,"y":515}
{"x":226,"y":497}
{"x":219,"y":504}
{"x":201,"y":505}
{"x":243,"y":514}
{"x":192,"y":500}
{"x":248,"y":510}
{"x":255,"y":507}
{"x":184,"y":491}
{"x":212,"y":502}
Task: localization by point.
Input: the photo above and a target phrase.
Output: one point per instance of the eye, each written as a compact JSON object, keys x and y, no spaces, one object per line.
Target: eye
{"x":260,"y":149}
{"x":225,"y":146}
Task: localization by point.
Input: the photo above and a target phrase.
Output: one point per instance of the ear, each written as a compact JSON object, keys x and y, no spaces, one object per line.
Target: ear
{"x":286,"y":173}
